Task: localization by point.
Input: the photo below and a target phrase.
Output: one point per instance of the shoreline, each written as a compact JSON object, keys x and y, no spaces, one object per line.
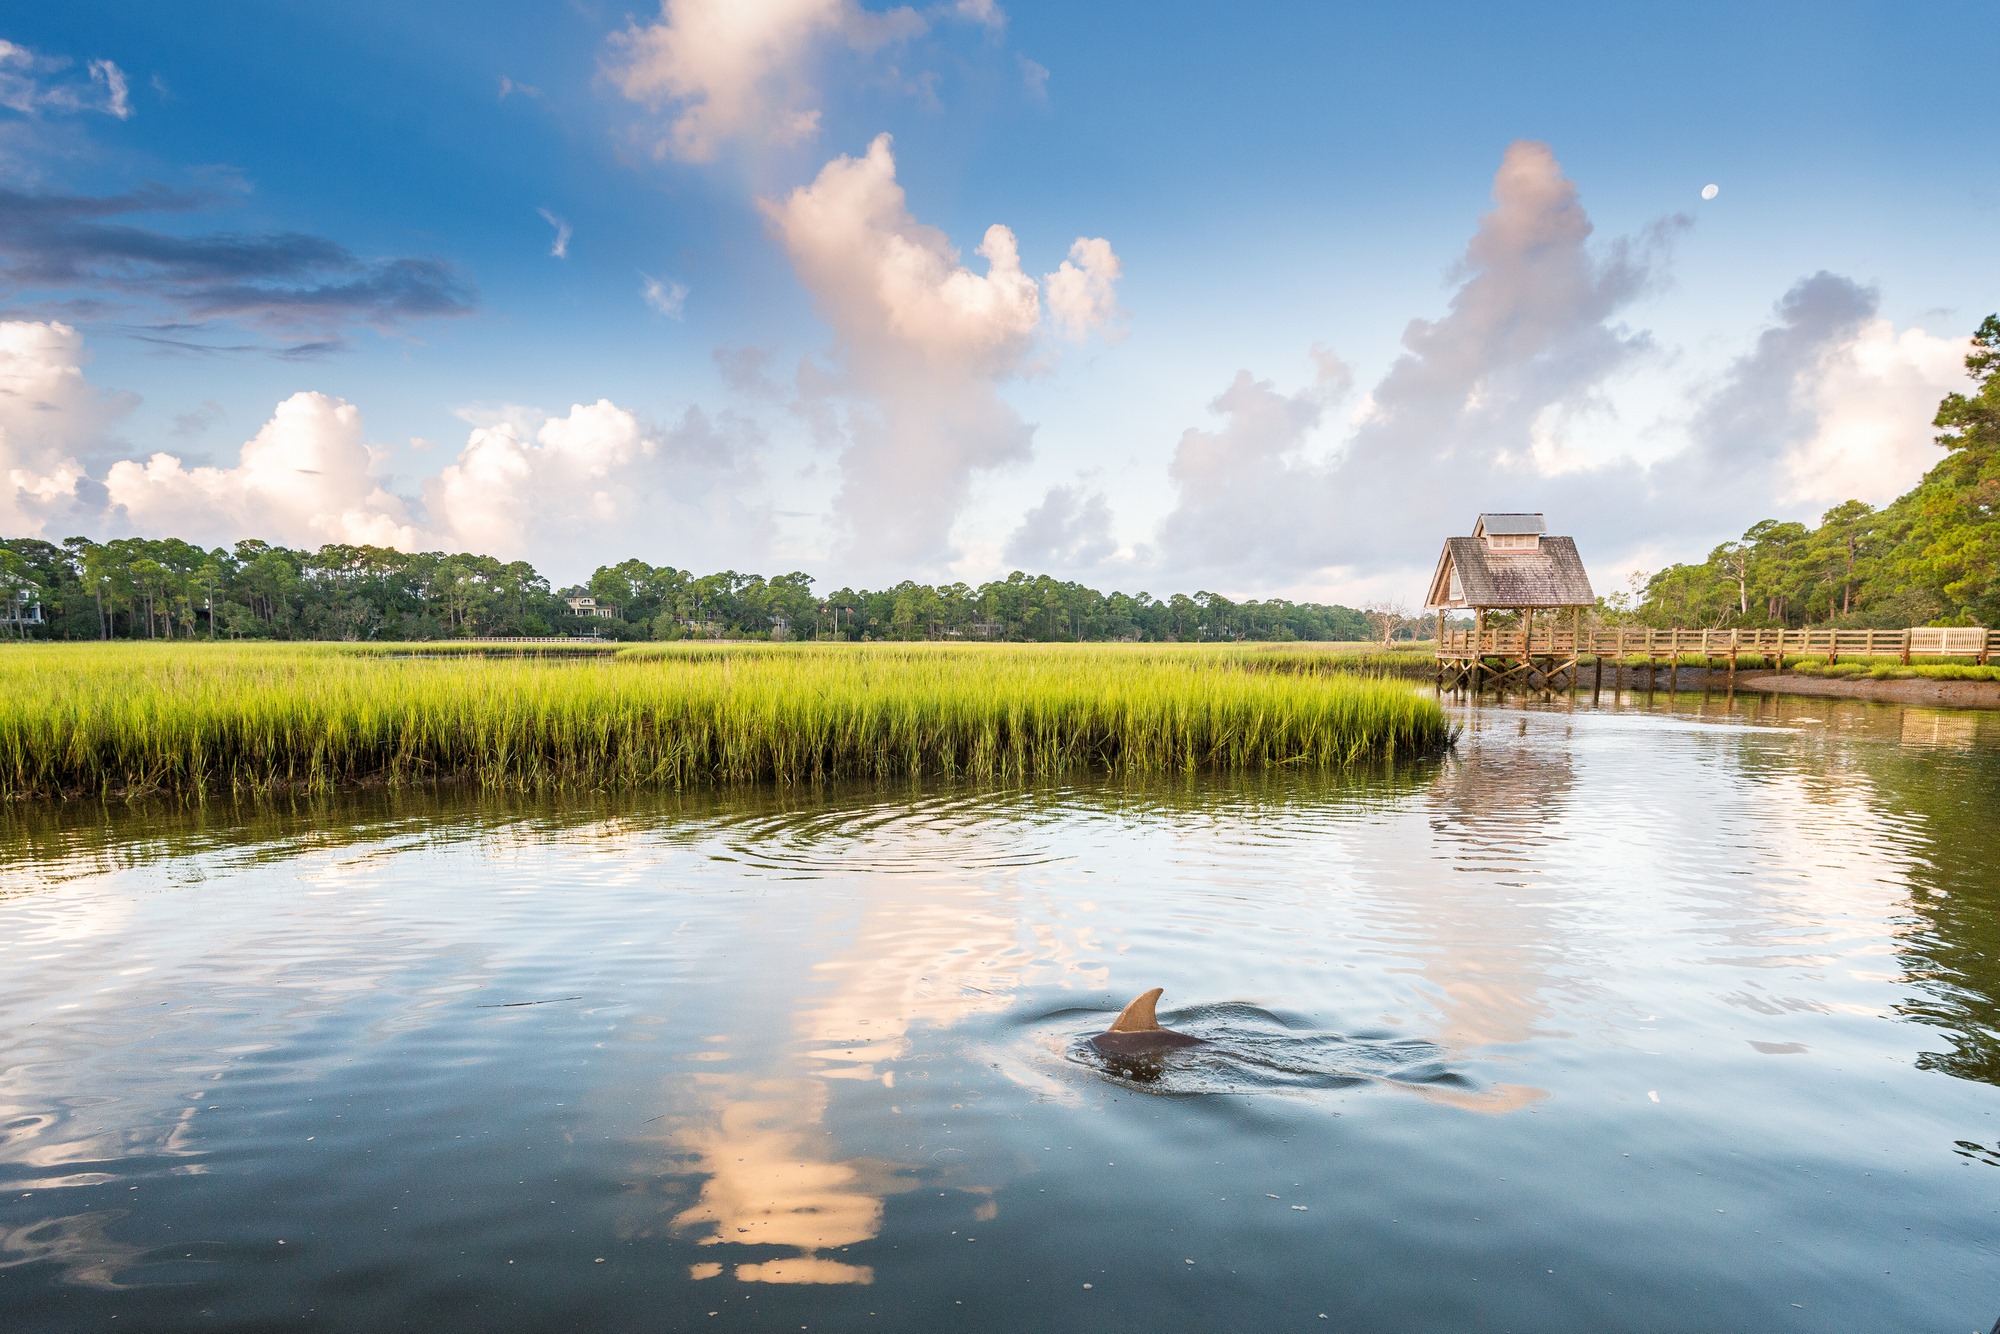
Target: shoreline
{"x":1910,"y":690}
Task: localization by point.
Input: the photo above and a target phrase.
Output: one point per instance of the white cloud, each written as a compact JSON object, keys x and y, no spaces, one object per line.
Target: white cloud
{"x":1830,"y":403}
{"x":924,"y":343}
{"x":306,"y":478}
{"x":52,"y":420}
{"x":1505,"y":403}
{"x":1083,"y":291}
{"x":32,"y":84}
{"x":566,"y":492}
{"x":570,"y":491}
{"x":983,"y":12}
{"x":117,"y":96}
{"x":738,"y":69}
{"x":1460,"y":422}
{"x":1245,"y":478}
{"x":1877,"y":394}
{"x":1069,"y":530}
{"x":664,"y":295}
{"x":560,"y":248}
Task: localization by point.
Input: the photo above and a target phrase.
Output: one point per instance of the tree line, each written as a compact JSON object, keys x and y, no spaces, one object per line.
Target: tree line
{"x":140,"y":588}
{"x":1930,"y":557}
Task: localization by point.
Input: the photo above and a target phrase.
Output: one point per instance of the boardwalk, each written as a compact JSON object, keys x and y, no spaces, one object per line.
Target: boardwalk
{"x":1547,"y":657}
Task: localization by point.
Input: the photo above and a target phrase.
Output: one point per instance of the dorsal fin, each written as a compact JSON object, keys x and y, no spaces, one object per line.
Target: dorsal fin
{"x":1138,"y":1017}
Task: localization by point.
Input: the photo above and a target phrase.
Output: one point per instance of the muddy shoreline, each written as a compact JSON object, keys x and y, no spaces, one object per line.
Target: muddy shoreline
{"x":1913,"y":690}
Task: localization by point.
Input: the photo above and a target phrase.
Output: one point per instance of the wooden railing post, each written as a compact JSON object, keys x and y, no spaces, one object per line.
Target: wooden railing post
{"x":1478,"y":645}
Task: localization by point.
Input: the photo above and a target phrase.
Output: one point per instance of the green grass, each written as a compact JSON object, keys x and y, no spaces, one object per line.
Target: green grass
{"x":1894,"y":671}
{"x":131,"y":718}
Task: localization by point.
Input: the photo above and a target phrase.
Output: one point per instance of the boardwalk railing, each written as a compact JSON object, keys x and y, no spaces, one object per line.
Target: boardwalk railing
{"x":478,"y":641}
{"x":1554,"y":641}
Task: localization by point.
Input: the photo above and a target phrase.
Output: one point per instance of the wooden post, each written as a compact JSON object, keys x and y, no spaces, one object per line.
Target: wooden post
{"x":1438,"y":652}
{"x":1528,"y":645}
{"x":1906,"y":648}
{"x":1575,"y":649}
{"x":1478,"y":644}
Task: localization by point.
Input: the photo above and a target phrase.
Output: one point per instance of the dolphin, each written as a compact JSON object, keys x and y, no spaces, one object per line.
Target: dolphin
{"x":1137,"y":1031}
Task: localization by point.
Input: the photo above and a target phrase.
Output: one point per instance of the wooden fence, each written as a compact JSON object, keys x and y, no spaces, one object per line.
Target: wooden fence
{"x":1557,"y":641}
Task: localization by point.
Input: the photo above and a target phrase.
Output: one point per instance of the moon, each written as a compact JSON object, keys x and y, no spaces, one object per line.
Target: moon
{"x":1710,"y":191}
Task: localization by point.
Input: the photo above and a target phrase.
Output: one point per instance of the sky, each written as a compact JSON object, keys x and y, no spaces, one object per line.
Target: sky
{"x":1263,"y":299}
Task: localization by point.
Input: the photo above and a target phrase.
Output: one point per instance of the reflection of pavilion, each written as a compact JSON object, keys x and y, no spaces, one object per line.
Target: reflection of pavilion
{"x":1487,"y":955}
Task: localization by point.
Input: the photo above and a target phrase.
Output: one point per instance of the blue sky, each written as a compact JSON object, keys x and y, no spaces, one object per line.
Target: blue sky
{"x":328,"y":296}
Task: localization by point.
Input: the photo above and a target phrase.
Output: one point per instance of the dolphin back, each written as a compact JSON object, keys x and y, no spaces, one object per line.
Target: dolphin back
{"x":1137,"y":1031}
{"x":1143,"y":1044}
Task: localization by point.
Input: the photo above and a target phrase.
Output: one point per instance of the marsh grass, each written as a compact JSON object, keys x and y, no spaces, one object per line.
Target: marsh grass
{"x":1961,"y":670}
{"x":128,"y":719}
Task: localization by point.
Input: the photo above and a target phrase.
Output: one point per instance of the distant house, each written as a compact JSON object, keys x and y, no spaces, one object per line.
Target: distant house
{"x":1510,"y":563}
{"x":586,"y":605}
{"x":21,"y":610}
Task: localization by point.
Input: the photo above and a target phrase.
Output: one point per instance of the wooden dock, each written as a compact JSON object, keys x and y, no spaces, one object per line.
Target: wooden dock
{"x":1549,"y":656}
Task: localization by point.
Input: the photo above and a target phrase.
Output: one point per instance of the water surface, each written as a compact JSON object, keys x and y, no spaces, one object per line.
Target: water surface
{"x":1648,"y":1016}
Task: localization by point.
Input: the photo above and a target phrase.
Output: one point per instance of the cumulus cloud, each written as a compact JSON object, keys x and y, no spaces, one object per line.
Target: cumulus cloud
{"x":1830,"y":403}
{"x":923,"y":342}
{"x":1460,"y":422}
{"x":1239,"y":480}
{"x":547,"y":488}
{"x":282,"y":281}
{"x":739,"y":68}
{"x":32,"y":84}
{"x":1068,"y":530}
{"x":306,"y":478}
{"x":1083,"y":291}
{"x":1504,"y":403}
{"x":560,"y":491}
{"x":563,"y":491}
{"x":1873,"y":439}
{"x":51,"y":420}
{"x":1763,"y":405}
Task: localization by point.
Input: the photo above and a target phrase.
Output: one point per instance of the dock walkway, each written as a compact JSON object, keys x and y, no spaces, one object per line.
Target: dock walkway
{"x":1548,"y":657}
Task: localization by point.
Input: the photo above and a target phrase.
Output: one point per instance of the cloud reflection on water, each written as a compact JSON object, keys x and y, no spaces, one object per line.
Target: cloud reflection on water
{"x":769,"y":1179}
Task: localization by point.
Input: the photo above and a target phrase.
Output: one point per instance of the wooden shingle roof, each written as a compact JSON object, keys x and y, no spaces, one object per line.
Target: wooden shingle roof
{"x":1550,"y":576}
